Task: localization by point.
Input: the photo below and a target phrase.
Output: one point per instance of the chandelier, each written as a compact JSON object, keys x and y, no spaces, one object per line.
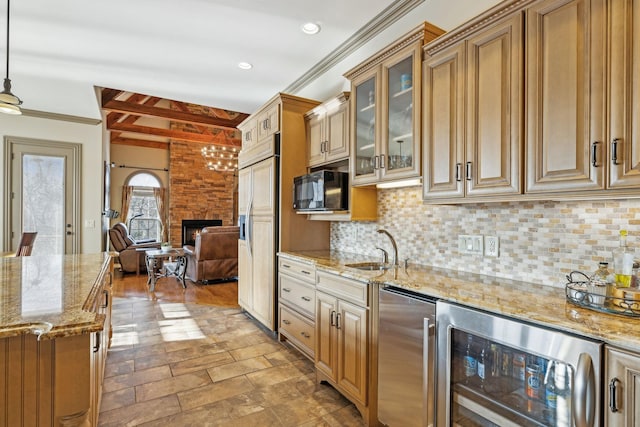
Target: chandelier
{"x":221,"y":159}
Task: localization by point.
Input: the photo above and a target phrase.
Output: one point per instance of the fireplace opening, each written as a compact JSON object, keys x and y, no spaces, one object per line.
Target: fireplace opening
{"x":191,"y":227}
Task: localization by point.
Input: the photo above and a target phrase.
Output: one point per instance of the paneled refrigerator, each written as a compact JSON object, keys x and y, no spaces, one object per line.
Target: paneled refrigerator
{"x":495,"y":371}
{"x":273,"y":153}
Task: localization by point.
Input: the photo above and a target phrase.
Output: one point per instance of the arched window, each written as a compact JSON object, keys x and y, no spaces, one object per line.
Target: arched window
{"x":144,"y":218}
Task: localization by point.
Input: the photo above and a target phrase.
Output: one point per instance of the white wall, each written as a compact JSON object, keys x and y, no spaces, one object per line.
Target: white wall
{"x":90,"y":136}
{"x":442,"y":13}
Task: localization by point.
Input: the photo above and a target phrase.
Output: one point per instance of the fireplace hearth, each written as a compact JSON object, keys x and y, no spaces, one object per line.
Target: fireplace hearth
{"x":190,"y":227}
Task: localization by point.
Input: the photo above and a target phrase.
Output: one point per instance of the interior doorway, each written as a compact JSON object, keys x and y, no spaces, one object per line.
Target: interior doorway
{"x":43,"y":183}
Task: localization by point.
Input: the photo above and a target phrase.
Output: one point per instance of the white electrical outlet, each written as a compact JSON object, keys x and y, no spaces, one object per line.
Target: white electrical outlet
{"x":471,"y":244}
{"x":492,"y":246}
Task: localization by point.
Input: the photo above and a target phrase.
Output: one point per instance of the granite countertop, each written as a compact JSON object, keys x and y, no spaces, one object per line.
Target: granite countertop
{"x":543,"y":305}
{"x":51,"y":296}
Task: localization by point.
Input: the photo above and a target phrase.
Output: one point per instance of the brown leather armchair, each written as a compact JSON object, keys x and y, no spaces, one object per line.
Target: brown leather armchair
{"x":126,"y":247}
{"x":214,"y":256}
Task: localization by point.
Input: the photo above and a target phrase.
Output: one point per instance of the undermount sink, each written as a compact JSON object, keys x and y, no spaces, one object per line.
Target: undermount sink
{"x":369,"y":266}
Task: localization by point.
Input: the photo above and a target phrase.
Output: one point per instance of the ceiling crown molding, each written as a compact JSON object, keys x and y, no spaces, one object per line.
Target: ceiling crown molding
{"x":379,"y":23}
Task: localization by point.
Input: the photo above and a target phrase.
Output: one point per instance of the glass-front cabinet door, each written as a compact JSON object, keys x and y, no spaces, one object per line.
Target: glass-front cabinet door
{"x":366,"y":161}
{"x":400,"y":147}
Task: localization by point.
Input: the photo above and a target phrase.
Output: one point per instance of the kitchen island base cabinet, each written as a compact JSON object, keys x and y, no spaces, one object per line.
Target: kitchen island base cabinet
{"x":623,"y":383}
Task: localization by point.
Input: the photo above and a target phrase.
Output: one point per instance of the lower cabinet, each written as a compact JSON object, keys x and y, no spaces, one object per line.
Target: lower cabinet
{"x":623,"y":385}
{"x":342,"y":337}
{"x":297,"y":305}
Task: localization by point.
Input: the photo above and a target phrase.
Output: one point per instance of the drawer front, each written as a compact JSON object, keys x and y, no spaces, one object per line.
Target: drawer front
{"x":298,"y":294}
{"x":297,"y":329}
{"x":298,"y":269}
{"x":341,"y":287}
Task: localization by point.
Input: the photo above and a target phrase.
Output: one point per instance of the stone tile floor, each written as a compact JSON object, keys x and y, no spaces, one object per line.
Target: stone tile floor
{"x":184,"y":364}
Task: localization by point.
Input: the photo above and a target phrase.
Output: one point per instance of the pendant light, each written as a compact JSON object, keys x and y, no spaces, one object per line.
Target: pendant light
{"x":9,"y":103}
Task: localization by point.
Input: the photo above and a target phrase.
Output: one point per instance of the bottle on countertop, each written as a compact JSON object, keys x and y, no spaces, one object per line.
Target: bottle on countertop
{"x":623,"y":262}
{"x":599,"y":284}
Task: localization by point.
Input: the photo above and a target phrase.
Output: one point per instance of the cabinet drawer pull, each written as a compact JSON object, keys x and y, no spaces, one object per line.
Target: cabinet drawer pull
{"x":594,"y":154}
{"x":96,"y":347}
{"x":613,"y":398}
{"x":286,"y":265}
{"x":614,"y":150}
{"x":306,"y":272}
{"x":468,"y":171}
{"x":106,"y":298}
{"x":286,"y":290}
{"x":304,"y":334}
{"x":286,"y":322}
{"x":458,"y":166}
{"x":333,"y":318}
{"x":307,"y":299}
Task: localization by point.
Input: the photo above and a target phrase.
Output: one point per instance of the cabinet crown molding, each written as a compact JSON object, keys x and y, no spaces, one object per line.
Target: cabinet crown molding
{"x":502,"y":9}
{"x":425,"y":31}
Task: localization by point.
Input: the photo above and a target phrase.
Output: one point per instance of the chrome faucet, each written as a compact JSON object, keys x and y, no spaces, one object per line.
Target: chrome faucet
{"x":393,"y":243}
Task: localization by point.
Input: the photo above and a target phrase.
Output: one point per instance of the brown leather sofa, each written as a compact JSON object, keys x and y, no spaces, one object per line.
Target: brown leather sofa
{"x":126,"y":247}
{"x":214,"y":258}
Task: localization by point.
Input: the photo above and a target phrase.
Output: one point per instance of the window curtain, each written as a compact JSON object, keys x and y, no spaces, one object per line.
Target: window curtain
{"x":160,"y":194}
{"x":127,"y":195}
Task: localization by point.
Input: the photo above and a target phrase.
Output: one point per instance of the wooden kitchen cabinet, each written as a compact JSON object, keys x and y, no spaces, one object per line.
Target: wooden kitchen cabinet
{"x":565,"y":104}
{"x":328,"y":131}
{"x":385,"y":111}
{"x":623,"y":385}
{"x":623,"y":145}
{"x":472,"y":114}
{"x":297,"y":304}
{"x":258,"y":132}
{"x":342,"y":337}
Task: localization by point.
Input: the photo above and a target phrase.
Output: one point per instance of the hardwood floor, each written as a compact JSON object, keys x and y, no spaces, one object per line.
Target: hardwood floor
{"x":169,"y":290}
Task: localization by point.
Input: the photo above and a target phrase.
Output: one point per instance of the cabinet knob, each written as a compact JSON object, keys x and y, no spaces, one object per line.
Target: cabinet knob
{"x":304,"y":334}
{"x":286,"y":322}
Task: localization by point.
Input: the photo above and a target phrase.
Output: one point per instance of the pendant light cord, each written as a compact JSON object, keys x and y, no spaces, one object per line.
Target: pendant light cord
{"x":8,"y":8}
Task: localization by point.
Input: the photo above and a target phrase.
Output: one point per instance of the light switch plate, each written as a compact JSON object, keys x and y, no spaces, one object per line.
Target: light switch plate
{"x":468,"y":244}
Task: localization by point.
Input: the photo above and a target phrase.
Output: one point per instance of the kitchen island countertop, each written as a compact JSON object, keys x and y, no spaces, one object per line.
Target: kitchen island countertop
{"x":51,"y":296}
{"x":541,"y":305}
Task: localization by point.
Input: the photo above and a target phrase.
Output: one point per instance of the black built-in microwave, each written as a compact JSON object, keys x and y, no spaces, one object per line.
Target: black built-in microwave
{"x":323,"y":190}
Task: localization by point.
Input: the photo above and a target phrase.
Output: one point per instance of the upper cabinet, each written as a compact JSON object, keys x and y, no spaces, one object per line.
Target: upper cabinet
{"x":258,"y":132}
{"x":534,"y":99}
{"x":565,"y":104}
{"x":385,"y":111}
{"x":623,"y":145}
{"x":472,"y":114}
{"x":328,"y":131}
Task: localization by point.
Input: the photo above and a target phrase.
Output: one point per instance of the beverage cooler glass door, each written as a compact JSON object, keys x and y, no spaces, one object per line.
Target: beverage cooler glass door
{"x":494,"y":371}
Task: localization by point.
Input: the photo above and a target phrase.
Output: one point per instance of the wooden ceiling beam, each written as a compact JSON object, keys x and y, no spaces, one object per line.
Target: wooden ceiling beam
{"x":140,"y":143}
{"x":110,"y":94}
{"x":220,"y":139}
{"x":174,"y":115}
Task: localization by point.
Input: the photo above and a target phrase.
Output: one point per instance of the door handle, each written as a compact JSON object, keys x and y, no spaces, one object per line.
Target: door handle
{"x":333,"y":318}
{"x":594,"y":154}
{"x":613,"y":395}
{"x":583,"y":394}
{"x":614,"y":150}
{"x":458,"y":166}
{"x":468,"y":171}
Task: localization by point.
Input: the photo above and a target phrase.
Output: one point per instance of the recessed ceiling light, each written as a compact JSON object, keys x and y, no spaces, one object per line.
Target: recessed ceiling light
{"x":245,"y":66}
{"x":310,"y":28}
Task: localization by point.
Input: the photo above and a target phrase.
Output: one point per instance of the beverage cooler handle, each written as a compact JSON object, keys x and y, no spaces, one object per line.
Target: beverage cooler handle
{"x":584,"y":394}
{"x":428,"y":330}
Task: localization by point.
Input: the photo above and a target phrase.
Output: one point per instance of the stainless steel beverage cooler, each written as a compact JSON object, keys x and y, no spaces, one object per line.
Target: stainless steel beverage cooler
{"x":494,"y":371}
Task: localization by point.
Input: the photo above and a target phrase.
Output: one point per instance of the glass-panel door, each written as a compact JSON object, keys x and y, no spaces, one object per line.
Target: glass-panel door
{"x":365,"y":135}
{"x":399,"y":132}
{"x":496,"y":384}
{"x":44,"y":182}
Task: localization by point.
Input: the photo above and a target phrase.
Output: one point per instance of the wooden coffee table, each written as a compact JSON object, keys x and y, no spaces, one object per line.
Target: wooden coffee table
{"x":171,"y":263}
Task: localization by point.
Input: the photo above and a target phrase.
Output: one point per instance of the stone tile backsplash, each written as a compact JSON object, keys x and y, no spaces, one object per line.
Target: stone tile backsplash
{"x":540,"y":242}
